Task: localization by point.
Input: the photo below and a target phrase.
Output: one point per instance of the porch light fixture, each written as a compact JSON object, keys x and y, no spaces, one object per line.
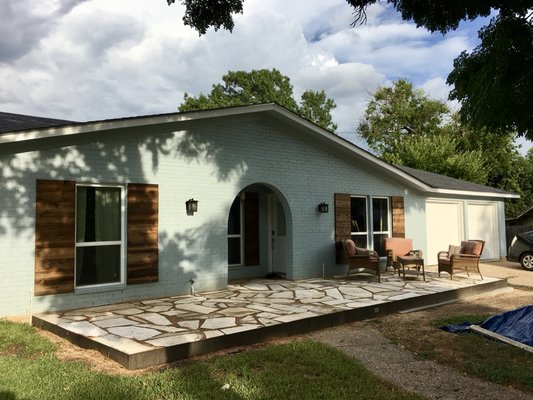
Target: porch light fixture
{"x":191,"y":206}
{"x":323,"y":208}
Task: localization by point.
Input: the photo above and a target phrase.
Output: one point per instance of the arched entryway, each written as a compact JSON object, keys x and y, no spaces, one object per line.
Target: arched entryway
{"x":259,"y":233}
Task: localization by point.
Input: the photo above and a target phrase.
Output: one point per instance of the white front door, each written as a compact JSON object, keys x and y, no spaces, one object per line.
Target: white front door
{"x":277,"y":236}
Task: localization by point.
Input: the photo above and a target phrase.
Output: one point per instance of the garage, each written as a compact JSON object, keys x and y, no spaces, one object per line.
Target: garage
{"x":451,"y":221}
{"x":483,"y":224}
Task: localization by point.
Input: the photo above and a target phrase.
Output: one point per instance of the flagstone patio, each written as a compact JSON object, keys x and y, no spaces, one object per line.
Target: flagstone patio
{"x":142,"y":333}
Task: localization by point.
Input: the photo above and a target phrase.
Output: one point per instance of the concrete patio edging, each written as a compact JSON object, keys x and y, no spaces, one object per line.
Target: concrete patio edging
{"x":163,"y":355}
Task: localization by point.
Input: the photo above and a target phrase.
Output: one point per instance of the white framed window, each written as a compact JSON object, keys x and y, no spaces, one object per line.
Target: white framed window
{"x":235,"y":232}
{"x":359,"y":221}
{"x":99,"y":257}
{"x":370,"y":235}
{"x":381,"y":223}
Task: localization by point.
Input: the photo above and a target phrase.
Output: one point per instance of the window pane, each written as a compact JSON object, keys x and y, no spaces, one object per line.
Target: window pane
{"x":379,"y":244}
{"x":380,"y":215}
{"x":234,"y":220}
{"x":97,"y":265}
{"x":234,"y":251}
{"x":358,"y":211}
{"x":98,"y":214}
{"x":360,"y":241}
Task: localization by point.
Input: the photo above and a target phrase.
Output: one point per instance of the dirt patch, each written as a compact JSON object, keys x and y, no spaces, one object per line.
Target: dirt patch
{"x":406,"y":328}
{"x":418,"y":333}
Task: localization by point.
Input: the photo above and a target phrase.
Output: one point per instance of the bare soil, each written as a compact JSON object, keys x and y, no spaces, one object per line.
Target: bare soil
{"x":418,"y":333}
{"x":407,"y":328}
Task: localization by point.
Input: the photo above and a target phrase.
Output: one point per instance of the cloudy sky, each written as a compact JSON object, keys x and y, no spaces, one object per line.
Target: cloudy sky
{"x":95,"y":59}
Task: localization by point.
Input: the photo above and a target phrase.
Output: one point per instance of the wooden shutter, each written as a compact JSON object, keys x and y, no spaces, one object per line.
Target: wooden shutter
{"x":251,"y":228}
{"x":54,"y":236}
{"x":398,"y":217}
{"x":342,"y":224}
{"x":142,"y":233}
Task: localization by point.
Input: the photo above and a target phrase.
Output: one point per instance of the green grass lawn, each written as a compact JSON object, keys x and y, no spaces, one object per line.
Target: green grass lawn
{"x":29,"y":369}
{"x":488,"y":359}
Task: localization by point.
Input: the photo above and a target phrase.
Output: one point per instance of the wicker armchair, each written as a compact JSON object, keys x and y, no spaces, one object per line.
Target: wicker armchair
{"x":360,"y":260}
{"x":461,"y":258}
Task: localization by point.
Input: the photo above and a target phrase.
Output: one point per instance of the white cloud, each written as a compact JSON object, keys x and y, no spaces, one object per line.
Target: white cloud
{"x":25,"y":23}
{"x":102,"y":59}
{"x":436,"y":88}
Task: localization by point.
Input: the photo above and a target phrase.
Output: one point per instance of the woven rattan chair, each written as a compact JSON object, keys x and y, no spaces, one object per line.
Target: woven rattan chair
{"x":461,"y":258}
{"x":395,"y":247}
{"x":361,"y":260}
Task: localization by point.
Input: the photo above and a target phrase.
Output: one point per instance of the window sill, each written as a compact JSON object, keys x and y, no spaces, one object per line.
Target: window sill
{"x":100,"y":289}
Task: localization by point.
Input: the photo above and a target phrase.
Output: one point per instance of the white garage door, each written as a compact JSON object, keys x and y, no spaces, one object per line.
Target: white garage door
{"x":483,"y":224}
{"x":444,"y":223}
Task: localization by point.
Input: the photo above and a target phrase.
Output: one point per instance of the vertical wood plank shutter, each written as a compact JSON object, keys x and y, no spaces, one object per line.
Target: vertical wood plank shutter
{"x":54,"y":236}
{"x":251,"y":229}
{"x":142,"y":266}
{"x":342,"y":224}
{"x":398,"y":217}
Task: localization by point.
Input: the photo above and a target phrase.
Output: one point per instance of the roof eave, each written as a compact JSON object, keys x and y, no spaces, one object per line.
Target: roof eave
{"x":507,"y":195}
{"x":122,"y":123}
{"x":270,"y":108}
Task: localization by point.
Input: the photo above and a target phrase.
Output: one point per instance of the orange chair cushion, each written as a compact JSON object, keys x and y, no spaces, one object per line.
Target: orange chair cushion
{"x":400,"y":246}
{"x":471,"y":247}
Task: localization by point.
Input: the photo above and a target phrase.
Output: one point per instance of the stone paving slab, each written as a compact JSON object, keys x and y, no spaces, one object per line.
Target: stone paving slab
{"x":259,"y":307}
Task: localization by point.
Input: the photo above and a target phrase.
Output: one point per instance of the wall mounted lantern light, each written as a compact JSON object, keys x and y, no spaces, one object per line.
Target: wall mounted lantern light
{"x":191,"y":206}
{"x":323,"y":208}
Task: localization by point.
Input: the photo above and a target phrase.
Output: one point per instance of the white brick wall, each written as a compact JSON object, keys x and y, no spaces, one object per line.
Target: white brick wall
{"x":211,"y":162}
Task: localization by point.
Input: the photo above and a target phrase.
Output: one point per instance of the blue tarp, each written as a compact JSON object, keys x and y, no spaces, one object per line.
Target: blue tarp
{"x":459,"y":328}
{"x":516,"y":325}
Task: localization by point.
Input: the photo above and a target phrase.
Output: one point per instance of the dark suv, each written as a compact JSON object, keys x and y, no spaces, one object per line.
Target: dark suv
{"x":521,"y":250}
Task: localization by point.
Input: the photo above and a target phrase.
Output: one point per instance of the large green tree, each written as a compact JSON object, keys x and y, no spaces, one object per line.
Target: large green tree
{"x":494,"y":82}
{"x":397,"y":111}
{"x":404,"y":126}
{"x":263,"y":86}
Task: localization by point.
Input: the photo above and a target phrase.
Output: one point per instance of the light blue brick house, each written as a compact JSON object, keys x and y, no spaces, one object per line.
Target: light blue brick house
{"x":95,"y":213}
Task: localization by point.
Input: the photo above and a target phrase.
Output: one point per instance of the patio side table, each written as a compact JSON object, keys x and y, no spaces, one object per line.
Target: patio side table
{"x":411,"y":262}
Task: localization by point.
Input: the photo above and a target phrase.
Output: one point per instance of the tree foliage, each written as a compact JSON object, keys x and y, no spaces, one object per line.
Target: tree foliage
{"x":404,"y":126}
{"x":316,"y":107}
{"x":396,"y":111}
{"x":494,"y":82}
{"x":203,"y":14}
{"x":442,"y":143}
{"x":263,"y":86}
{"x":440,"y":154}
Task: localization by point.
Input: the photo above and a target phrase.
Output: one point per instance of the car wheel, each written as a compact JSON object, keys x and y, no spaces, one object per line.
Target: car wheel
{"x":526,"y":261}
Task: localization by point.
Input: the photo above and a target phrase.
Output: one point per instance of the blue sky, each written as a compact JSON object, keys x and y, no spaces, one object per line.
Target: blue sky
{"x":95,"y":59}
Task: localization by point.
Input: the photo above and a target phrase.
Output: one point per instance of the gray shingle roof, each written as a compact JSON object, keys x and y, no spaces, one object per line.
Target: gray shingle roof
{"x":17,"y":122}
{"x":445,"y":182}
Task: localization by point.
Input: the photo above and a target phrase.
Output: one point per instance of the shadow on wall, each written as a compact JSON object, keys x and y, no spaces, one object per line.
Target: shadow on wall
{"x":117,"y":157}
